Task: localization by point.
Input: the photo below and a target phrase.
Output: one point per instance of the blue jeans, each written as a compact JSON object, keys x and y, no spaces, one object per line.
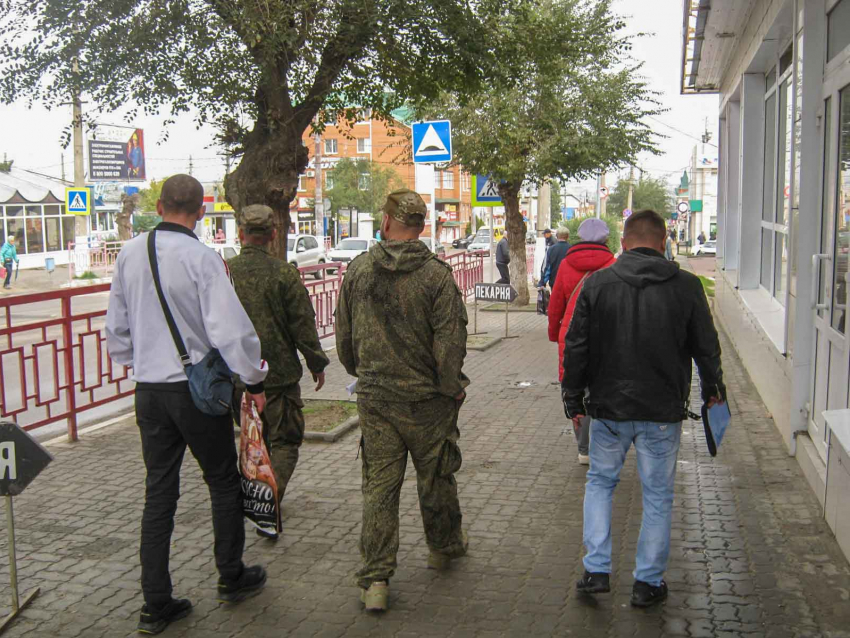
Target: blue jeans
{"x":657,"y":447}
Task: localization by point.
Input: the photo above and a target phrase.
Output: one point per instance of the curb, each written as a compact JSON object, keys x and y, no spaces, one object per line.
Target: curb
{"x":334,"y":435}
{"x":499,"y":307}
{"x":493,"y":341}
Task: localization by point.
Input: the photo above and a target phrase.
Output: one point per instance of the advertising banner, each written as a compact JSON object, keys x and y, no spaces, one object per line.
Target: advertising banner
{"x":117,"y":153}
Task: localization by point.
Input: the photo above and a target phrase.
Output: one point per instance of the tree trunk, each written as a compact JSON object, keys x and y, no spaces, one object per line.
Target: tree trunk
{"x":509,"y":191}
{"x":122,"y":219}
{"x":268,"y":174}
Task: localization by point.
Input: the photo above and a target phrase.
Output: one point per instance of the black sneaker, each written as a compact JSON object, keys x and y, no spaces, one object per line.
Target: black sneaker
{"x":593,"y":583}
{"x":249,"y":584}
{"x":154,"y":621}
{"x":646,"y":595}
{"x":264,"y":533}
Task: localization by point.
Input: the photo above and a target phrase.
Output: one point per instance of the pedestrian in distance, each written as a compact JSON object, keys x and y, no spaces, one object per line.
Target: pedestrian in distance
{"x":8,"y":257}
{"x":582,"y":260}
{"x":554,"y":256}
{"x":636,"y":327}
{"x":206,"y":313}
{"x":503,"y":258}
{"x":668,"y":248}
{"x":701,"y":237}
{"x":279,"y":306}
{"x":401,"y":330}
{"x":549,"y":237}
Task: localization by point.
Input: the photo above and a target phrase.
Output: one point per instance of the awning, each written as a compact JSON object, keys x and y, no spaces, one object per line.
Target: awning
{"x":447,"y":200}
{"x":450,"y":224}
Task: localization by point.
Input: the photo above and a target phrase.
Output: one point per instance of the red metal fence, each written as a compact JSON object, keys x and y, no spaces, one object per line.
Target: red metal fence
{"x":53,"y":360}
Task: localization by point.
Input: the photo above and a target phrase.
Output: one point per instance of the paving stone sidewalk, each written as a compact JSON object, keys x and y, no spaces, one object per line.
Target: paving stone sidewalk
{"x":751,"y":555}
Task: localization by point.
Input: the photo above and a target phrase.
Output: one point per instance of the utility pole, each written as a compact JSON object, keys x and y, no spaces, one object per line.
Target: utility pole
{"x":631,"y":187}
{"x":81,"y":229}
{"x":319,"y":197}
{"x":603,"y":207}
{"x":544,"y":206}
{"x":62,"y":156}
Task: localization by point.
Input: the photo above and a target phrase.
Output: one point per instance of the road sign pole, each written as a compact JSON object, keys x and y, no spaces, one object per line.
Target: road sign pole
{"x":506,"y":319}
{"x":475,"y":314}
{"x":17,"y":606}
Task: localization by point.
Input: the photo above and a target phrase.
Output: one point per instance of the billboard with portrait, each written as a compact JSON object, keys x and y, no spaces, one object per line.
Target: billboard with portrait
{"x":116,"y":153}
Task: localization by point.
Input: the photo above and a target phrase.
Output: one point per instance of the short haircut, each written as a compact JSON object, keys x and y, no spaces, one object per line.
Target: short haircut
{"x":645,"y":226}
{"x":563,"y":232}
{"x":182,"y":194}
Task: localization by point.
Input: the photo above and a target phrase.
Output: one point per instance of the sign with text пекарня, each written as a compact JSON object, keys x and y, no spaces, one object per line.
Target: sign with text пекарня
{"x":495,"y":292}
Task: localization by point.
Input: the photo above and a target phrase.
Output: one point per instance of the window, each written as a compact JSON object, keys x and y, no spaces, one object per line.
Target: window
{"x":838,"y":29}
{"x":331,"y":147}
{"x":448,"y":179}
{"x":464,"y":181}
{"x":311,"y":243}
{"x":329,"y":180}
{"x":301,"y":186}
{"x":842,"y":218}
{"x":364,"y":145}
{"x":779,"y":128}
{"x":364,"y":181}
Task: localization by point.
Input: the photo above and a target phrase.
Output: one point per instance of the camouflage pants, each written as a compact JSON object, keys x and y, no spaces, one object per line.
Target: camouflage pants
{"x":283,"y":430}
{"x":428,"y":430}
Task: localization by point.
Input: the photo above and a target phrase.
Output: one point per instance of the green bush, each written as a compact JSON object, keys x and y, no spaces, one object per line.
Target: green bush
{"x":144,"y":223}
{"x":86,"y":275}
{"x":613,"y":231}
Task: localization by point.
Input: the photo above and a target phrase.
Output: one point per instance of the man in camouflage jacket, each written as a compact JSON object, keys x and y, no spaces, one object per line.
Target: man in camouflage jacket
{"x":280,"y":309}
{"x":401,"y":330}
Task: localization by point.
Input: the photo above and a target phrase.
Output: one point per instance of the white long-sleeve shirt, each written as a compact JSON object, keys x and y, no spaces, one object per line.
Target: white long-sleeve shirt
{"x":208,"y":314}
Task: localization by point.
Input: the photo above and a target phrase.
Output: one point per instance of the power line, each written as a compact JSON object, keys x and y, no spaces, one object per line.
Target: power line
{"x":680,"y":132}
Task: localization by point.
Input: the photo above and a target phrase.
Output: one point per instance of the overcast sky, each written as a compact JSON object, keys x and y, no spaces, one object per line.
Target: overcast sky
{"x":32,"y":137}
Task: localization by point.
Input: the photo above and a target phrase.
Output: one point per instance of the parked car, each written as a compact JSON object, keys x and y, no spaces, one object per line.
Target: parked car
{"x":481,"y":241}
{"x":348,"y":249}
{"x":707,"y":248}
{"x":463,"y":242}
{"x":227,"y":251}
{"x":306,"y":250}
{"x":441,"y":250}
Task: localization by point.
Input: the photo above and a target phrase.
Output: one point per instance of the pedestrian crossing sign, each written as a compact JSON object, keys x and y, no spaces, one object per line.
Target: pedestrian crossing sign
{"x":78,"y":201}
{"x":432,"y":141}
{"x":485,"y":191}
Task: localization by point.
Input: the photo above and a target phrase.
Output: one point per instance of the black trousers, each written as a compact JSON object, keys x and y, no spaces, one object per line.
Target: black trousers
{"x":8,"y":266}
{"x":504,"y":272}
{"x":169,"y":421}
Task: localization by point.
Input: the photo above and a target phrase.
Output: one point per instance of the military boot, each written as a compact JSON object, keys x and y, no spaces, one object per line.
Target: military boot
{"x":441,"y":562}
{"x":375,"y":598}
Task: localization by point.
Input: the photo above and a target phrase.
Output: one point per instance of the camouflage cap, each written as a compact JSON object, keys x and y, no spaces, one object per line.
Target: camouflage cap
{"x":406,"y":206}
{"x":256,"y":219}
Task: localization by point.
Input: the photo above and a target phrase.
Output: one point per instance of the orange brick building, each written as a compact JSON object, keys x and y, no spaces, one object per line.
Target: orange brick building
{"x":387,"y":144}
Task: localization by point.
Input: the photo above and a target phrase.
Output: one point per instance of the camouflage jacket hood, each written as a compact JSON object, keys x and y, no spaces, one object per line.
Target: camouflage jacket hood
{"x":400,"y":256}
{"x":401,"y":324}
{"x":280,"y":309}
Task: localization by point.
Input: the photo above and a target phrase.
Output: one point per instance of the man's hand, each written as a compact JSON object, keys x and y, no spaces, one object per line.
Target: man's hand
{"x":460,"y":398}
{"x":319,"y":378}
{"x":712,"y":401}
{"x":256,"y":399}
{"x":577,"y":422}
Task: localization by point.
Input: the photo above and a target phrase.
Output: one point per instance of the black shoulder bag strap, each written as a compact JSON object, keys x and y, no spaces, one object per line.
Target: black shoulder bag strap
{"x":169,"y":318}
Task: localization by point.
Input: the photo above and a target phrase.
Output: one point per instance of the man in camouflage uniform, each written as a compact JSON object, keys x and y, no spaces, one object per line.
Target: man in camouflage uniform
{"x":280,"y":309}
{"x":401,"y":330}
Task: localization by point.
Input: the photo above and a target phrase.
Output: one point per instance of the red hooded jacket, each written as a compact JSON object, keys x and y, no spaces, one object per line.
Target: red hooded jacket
{"x":582,"y":258}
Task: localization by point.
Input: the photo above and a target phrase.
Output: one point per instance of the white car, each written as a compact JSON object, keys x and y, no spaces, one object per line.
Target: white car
{"x":305,"y":250}
{"x":227,"y":251}
{"x":707,"y":248}
{"x":481,"y":242}
{"x":348,"y":249}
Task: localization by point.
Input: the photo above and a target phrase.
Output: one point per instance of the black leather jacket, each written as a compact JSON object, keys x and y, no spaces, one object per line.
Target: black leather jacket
{"x":635,"y":329}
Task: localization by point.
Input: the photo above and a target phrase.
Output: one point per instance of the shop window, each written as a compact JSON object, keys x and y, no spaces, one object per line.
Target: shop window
{"x":15,"y":228}
{"x":69,"y":234}
{"x":766,"y":257}
{"x":52,"y":236}
{"x":838,"y":29}
{"x":842,"y":219}
{"x":14,"y":211}
{"x":35,"y":236}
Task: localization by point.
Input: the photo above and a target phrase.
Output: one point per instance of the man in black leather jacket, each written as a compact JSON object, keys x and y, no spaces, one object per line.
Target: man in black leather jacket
{"x":636,"y":327}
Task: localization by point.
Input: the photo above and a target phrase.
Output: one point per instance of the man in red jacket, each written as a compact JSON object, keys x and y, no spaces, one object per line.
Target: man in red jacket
{"x":582,"y":260}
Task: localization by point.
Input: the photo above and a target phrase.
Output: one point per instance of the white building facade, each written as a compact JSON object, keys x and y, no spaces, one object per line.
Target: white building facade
{"x":781,"y":70}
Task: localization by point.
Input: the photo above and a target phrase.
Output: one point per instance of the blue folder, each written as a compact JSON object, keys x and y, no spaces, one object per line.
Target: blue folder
{"x":715,"y":419}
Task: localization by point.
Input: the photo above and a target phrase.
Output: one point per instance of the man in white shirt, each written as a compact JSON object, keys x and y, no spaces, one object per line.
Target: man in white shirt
{"x":197,"y":287}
